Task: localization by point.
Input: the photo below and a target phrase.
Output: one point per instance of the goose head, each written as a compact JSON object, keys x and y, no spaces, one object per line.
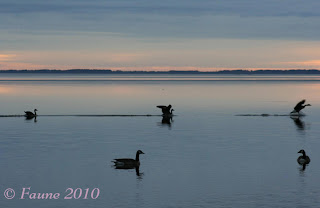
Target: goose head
{"x":140,"y":152}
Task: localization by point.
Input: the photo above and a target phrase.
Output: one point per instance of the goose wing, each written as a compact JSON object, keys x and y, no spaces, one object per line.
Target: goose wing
{"x":300,"y":103}
{"x":299,"y":106}
{"x":161,"y":106}
{"x":28,"y":113}
{"x":124,"y":160}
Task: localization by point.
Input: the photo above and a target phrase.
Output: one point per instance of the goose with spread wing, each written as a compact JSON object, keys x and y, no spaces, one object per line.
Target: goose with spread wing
{"x":166,"y":110}
{"x":300,"y":105}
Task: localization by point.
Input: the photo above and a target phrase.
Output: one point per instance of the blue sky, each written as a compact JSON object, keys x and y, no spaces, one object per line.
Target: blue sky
{"x":148,"y":34}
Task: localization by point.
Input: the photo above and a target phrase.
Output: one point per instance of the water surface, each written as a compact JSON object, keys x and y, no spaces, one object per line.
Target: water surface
{"x":205,"y":157}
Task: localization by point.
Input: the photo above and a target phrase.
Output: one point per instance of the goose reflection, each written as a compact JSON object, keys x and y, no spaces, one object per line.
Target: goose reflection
{"x":303,"y":168}
{"x":32,"y":118}
{"x":137,"y":168}
{"x":166,"y":121}
{"x":298,"y":122}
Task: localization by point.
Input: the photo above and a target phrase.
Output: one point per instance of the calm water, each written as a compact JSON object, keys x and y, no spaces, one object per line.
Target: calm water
{"x":206,"y":157}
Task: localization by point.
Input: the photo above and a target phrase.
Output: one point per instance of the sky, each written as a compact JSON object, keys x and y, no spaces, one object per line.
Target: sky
{"x":159,"y":35}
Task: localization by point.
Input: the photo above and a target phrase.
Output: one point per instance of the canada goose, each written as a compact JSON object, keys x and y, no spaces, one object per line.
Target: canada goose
{"x":166,"y":110}
{"x":30,"y":114}
{"x":304,"y":159}
{"x":128,"y":163}
{"x":300,"y":106}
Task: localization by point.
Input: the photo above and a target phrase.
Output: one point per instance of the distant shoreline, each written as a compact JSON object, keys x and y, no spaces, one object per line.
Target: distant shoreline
{"x":222,"y":72}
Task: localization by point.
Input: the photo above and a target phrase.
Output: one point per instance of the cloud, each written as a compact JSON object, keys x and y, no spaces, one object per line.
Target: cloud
{"x":204,"y":54}
{"x":179,"y":7}
{"x":149,"y":33}
{"x":308,"y":63}
{"x":6,"y":57}
{"x":24,"y":65}
{"x":271,"y":19}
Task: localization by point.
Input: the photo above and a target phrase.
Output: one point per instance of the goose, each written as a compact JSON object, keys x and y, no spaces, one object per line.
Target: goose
{"x":304,"y":159}
{"x":300,"y":106}
{"x":128,"y":163}
{"x":30,"y":114}
{"x":166,"y":110}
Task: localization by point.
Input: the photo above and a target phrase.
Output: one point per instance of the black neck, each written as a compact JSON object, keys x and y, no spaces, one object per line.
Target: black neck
{"x":137,"y":156}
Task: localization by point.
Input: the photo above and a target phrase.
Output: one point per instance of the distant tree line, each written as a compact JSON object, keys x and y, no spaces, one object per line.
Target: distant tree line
{"x":109,"y":71}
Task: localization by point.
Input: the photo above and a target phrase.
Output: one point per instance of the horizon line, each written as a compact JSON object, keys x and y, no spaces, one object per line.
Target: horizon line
{"x":110,"y":71}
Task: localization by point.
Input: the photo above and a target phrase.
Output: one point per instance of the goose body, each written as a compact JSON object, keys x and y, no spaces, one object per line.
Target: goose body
{"x":31,"y":114}
{"x":128,"y":163}
{"x":300,"y":105}
{"x":303,"y":159}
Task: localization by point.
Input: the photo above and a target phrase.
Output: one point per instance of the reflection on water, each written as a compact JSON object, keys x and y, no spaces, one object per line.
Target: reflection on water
{"x":204,"y":157}
{"x":303,"y":167}
{"x":28,"y":118}
{"x":298,"y":122}
{"x":167,"y":121}
{"x":128,"y":167}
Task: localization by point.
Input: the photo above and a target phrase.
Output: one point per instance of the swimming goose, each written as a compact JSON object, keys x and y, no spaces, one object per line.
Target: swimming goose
{"x":30,"y":114}
{"x":304,"y":159}
{"x":128,"y":162}
{"x":166,"y":110}
{"x":300,"y":106}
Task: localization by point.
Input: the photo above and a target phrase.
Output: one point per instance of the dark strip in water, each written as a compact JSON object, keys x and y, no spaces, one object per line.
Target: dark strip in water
{"x":266,"y":115}
{"x":163,"y":80}
{"x":93,"y":115}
